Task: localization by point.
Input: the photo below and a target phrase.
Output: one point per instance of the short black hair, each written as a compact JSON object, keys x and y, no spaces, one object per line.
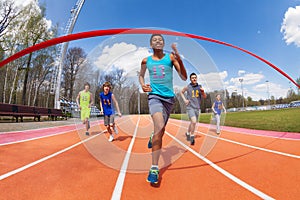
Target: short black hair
{"x":86,"y":83}
{"x":192,"y":74}
{"x":156,"y":34}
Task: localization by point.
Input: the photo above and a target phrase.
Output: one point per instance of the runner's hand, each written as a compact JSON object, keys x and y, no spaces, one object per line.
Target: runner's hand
{"x":186,"y":102}
{"x":174,"y":47}
{"x":146,"y":88}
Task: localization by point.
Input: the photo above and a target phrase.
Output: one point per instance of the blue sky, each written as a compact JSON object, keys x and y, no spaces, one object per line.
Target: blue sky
{"x":254,"y":25}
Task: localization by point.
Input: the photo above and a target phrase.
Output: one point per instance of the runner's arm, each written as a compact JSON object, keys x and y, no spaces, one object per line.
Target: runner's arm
{"x":223,"y":107}
{"x":92,"y":100}
{"x":202,"y":92}
{"x":77,"y":100}
{"x":178,"y":64}
{"x":213,"y":107}
{"x":182,"y":95}
{"x":116,"y":103}
{"x":145,"y":87}
{"x":101,"y":108}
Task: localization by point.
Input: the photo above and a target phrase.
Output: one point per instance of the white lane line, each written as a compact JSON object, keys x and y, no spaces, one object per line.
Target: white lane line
{"x":120,"y":182}
{"x":34,"y":129}
{"x":36,"y":138}
{"x":242,"y":132}
{"x":45,"y":136}
{"x":254,"y":147}
{"x":248,"y":145}
{"x":54,"y":134}
{"x":45,"y":158}
{"x":224,"y":172}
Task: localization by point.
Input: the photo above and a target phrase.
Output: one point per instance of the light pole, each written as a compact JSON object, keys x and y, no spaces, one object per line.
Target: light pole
{"x":268,"y":92}
{"x":246,"y":98}
{"x":241,"y":81}
{"x":63,"y":49}
{"x":236,"y":102}
{"x":139,"y":109}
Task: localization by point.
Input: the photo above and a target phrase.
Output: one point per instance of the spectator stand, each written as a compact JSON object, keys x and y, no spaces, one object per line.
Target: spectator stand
{"x":71,"y":109}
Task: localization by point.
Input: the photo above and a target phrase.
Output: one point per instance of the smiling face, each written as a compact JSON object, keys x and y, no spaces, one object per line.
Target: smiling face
{"x":106,"y":89}
{"x":157,"y":42}
{"x":193,"y":79}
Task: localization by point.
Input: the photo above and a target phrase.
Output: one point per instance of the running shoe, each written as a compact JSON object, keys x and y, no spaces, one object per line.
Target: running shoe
{"x":150,"y":141}
{"x":87,"y":133}
{"x":116,"y":130}
{"x":111,"y":138}
{"x":192,"y":139}
{"x":153,"y":175}
{"x":188,"y":137}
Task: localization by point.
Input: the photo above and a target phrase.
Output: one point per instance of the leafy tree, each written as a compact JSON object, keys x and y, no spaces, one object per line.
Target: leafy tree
{"x":298,"y":81}
{"x":7,"y":14}
{"x":75,"y":59}
{"x":35,"y":30}
{"x":27,"y":27}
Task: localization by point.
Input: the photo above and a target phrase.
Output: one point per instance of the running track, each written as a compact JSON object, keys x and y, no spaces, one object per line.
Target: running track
{"x":63,"y":163}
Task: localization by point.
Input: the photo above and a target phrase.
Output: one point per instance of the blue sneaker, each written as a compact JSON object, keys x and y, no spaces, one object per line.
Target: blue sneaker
{"x":150,"y":141}
{"x":153,"y":175}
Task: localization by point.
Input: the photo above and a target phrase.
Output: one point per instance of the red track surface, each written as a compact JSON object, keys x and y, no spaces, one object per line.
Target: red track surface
{"x":70,"y":165}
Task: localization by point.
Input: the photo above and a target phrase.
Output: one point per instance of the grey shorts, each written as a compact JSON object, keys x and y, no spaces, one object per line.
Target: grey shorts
{"x":109,"y":119}
{"x":193,"y":112}
{"x":162,"y":105}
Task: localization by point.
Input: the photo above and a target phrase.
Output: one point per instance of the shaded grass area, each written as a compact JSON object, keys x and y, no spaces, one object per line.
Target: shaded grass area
{"x":287,"y":120}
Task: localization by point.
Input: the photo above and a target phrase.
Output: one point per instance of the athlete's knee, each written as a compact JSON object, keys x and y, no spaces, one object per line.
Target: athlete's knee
{"x":193,"y":123}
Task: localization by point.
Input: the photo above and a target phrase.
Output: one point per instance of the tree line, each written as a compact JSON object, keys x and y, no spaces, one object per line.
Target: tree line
{"x":30,"y":80}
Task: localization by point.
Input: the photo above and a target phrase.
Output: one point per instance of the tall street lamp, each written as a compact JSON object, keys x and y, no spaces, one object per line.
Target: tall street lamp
{"x":268,"y":92}
{"x":241,"y":81}
{"x":139,"y":108}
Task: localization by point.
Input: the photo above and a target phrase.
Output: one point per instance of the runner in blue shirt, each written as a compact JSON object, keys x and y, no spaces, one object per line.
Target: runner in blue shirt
{"x":217,"y":108}
{"x":107,"y":99}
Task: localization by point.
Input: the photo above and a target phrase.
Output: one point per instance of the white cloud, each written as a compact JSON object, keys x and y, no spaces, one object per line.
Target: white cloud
{"x":24,"y":2}
{"x":48,"y":22}
{"x":210,"y":81}
{"x":291,"y":26}
{"x":240,"y":72}
{"x":255,"y":86}
{"x":247,"y":79}
{"x":122,"y":56}
{"x":213,"y":81}
{"x":274,"y":89}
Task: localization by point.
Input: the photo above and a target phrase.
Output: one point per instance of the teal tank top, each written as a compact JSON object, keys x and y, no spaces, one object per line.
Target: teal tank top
{"x":161,"y":76}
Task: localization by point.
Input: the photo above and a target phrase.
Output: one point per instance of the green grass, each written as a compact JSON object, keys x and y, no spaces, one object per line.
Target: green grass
{"x":287,"y":120}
